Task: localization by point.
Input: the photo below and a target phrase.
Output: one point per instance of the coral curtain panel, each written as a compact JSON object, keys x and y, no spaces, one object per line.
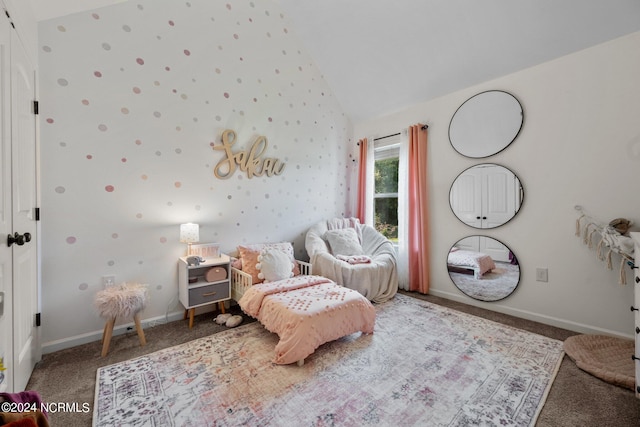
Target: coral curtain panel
{"x":361,"y":207}
{"x":418,"y":203}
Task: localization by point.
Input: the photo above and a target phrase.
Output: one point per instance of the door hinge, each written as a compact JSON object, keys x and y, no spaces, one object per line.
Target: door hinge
{"x":36,"y":107}
{"x":38,"y":319}
{"x":36,"y":213}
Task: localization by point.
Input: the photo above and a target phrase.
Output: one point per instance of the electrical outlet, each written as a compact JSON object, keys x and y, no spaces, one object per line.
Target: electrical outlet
{"x":542,"y":275}
{"x":108,"y":281}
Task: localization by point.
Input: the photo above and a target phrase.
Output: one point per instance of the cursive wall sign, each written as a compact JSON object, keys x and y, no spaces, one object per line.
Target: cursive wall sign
{"x":250,"y":161}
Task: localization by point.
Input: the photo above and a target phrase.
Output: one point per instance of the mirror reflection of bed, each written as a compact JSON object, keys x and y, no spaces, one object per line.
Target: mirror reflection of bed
{"x":483,"y":268}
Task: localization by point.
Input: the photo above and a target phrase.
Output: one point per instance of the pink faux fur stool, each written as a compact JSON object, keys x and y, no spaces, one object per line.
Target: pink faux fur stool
{"x":125,"y":300}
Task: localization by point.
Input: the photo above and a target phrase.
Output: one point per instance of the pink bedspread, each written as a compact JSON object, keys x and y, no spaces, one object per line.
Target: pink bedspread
{"x":307,"y":311}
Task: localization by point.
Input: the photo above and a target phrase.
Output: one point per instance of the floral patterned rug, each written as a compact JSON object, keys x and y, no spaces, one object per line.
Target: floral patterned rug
{"x":424,"y":365}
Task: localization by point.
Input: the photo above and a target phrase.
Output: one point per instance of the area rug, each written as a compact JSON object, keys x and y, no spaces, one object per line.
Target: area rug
{"x":608,"y":358}
{"x":494,"y":285}
{"x":424,"y":365}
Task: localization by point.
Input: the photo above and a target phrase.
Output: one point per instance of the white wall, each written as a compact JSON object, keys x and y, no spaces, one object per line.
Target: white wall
{"x":132,"y":97}
{"x":580,"y":144}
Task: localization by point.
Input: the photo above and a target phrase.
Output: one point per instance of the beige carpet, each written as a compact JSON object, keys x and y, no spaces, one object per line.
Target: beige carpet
{"x":607,"y":358}
{"x":576,"y":399}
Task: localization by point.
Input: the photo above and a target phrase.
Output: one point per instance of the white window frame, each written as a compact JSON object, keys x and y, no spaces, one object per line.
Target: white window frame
{"x":385,"y":148}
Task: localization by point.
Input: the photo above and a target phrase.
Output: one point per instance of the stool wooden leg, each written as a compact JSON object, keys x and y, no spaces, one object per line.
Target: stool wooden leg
{"x":191,"y":313}
{"x":106,"y":339}
{"x":136,"y":318}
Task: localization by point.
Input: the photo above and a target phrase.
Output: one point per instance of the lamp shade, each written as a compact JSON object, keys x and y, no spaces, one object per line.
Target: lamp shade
{"x":189,"y":233}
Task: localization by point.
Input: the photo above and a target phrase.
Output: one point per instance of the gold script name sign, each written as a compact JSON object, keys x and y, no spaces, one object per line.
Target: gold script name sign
{"x":249,"y":161}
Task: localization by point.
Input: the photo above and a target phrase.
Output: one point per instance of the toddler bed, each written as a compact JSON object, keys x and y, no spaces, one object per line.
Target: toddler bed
{"x":460,"y":260}
{"x":305,"y":310}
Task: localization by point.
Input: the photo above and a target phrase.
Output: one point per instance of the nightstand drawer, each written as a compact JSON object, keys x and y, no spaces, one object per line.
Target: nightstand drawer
{"x":210,"y":293}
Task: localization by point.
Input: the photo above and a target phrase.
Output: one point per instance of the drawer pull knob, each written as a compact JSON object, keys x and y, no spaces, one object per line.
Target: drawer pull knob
{"x":634,"y":309}
{"x":208,"y":294}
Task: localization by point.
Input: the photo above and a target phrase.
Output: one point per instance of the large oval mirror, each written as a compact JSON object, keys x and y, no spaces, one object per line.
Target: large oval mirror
{"x":486,"y":195}
{"x":483,"y":268}
{"x":485,"y":124}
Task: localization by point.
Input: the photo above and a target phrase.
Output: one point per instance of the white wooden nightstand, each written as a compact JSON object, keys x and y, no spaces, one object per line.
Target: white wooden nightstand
{"x":203,"y":284}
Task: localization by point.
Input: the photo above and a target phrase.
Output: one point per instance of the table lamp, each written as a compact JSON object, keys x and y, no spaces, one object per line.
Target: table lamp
{"x":189,"y":233}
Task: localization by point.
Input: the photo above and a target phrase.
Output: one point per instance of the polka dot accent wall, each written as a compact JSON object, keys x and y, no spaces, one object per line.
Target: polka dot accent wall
{"x":133,"y":98}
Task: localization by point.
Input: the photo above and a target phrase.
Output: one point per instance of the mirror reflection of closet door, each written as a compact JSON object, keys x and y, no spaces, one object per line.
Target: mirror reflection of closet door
{"x":496,"y":250}
{"x":486,"y":196}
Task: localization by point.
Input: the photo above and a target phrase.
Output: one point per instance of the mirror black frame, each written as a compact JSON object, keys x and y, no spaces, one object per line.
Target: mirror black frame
{"x":463,"y":265}
{"x":470,"y":103}
{"x":519,"y":189}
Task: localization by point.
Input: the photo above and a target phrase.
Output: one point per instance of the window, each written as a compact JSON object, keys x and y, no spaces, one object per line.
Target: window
{"x":385,"y":198}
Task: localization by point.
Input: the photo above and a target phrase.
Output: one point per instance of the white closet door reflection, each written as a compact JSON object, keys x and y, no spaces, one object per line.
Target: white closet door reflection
{"x":486,"y":196}
{"x":483,"y":268}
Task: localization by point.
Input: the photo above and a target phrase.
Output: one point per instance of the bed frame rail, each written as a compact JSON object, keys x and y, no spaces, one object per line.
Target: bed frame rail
{"x":241,"y":281}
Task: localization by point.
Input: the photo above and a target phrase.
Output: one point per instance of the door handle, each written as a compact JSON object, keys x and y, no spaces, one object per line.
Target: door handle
{"x":18,"y":239}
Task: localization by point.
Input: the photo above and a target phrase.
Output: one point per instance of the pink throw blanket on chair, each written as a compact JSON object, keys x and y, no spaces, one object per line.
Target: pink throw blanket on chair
{"x":354,"y":259}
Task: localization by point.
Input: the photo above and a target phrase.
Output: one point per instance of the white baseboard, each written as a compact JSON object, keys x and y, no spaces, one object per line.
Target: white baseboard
{"x":536,"y":317}
{"x":51,"y":346}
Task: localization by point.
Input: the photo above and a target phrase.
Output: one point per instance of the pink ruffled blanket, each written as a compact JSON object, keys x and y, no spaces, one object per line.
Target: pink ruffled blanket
{"x":354,"y":259}
{"x":306,"y":312}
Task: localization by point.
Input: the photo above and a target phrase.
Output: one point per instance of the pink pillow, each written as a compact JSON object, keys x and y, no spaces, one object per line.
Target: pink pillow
{"x":249,"y":256}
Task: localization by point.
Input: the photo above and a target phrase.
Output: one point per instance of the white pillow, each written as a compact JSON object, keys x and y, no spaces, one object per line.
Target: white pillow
{"x":344,"y":241}
{"x":273,"y":265}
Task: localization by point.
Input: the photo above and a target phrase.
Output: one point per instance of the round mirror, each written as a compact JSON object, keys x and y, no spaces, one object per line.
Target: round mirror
{"x":486,"y":196}
{"x":485,"y":124}
{"x":483,"y":268}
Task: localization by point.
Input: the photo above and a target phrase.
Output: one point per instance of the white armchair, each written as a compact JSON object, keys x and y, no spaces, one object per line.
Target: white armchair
{"x":376,"y":280}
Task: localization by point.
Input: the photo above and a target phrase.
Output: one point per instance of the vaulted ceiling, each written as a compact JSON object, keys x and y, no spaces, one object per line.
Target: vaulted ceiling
{"x":380,"y":56}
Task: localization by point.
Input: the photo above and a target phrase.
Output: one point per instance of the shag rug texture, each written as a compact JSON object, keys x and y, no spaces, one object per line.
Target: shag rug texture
{"x":424,"y":365}
{"x":607,"y":358}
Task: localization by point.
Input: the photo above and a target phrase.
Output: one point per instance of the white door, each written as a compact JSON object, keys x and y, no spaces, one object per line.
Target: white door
{"x":26,"y":347}
{"x":466,"y":197}
{"x":6,"y":259}
{"x":499,"y":196}
{"x":496,"y":250}
{"x":487,"y":245}
{"x":485,"y":196}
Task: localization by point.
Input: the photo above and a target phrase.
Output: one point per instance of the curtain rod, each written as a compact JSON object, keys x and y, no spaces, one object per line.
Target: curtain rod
{"x":396,"y":134}
{"x":388,"y":136}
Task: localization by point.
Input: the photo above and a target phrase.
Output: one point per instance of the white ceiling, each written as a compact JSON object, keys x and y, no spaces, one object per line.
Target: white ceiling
{"x":379,"y":56}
